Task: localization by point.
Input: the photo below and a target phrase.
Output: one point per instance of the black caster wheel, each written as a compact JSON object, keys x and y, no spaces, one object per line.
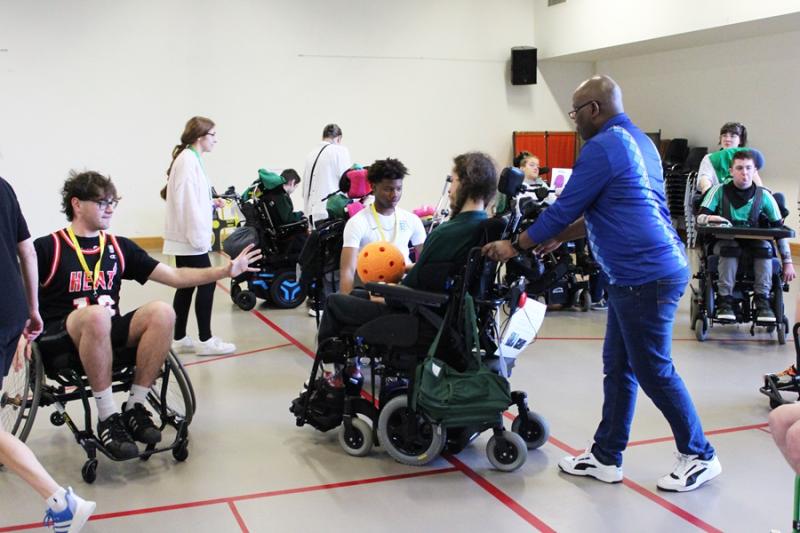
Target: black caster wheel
{"x":246,"y":300}
{"x":585,"y":300}
{"x":701,"y":328}
{"x":57,"y":419}
{"x":181,"y":452}
{"x":89,"y":471}
{"x":537,"y":432}
{"x":507,"y":452}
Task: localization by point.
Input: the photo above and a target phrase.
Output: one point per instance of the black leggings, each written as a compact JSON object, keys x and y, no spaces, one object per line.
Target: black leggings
{"x":202,"y":304}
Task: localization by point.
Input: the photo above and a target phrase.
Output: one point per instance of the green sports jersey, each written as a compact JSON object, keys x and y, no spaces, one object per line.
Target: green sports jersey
{"x":740,"y":216}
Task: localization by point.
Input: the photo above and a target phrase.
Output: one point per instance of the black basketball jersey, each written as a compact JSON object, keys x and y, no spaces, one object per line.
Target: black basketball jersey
{"x":64,"y":285}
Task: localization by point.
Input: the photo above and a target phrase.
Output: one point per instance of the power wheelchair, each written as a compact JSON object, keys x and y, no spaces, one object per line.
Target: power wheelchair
{"x":276,"y":281}
{"x":56,"y":381}
{"x":394,"y":346}
{"x":775,"y":386}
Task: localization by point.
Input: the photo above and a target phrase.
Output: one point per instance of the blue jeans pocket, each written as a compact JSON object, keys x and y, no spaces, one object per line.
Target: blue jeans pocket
{"x":670,"y":291}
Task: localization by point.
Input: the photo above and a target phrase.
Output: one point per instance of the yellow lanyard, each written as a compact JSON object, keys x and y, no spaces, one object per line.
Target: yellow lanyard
{"x":93,"y":278}
{"x":378,"y":223}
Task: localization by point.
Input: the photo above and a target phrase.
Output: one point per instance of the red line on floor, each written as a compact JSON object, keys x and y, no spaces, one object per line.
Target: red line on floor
{"x":254,"y":496}
{"x":504,"y":498}
{"x":669,"y":506}
{"x":274,"y":326}
{"x":238,"y":517}
{"x":229,"y":356}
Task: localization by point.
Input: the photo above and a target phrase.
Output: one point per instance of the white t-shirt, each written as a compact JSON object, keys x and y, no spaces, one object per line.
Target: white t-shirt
{"x":332,"y":163}
{"x":362,"y":230}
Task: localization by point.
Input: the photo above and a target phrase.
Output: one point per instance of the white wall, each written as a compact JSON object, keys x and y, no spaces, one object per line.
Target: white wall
{"x":578,"y":26}
{"x":692,"y":92}
{"x":109,"y":85}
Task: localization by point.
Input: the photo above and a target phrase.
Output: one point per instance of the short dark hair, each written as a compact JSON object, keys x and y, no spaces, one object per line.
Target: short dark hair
{"x":477,"y":175}
{"x":386,"y":169}
{"x":522,"y":157}
{"x":87,"y":185}
{"x":735,"y":128}
{"x":330,"y":131}
{"x":744,"y":154}
{"x":290,"y":175}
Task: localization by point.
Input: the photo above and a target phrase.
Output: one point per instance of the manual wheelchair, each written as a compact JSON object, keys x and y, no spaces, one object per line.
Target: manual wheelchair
{"x":703,"y":307}
{"x":59,"y":380}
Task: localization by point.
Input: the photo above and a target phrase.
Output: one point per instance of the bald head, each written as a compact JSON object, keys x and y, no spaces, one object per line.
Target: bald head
{"x":602,"y":98}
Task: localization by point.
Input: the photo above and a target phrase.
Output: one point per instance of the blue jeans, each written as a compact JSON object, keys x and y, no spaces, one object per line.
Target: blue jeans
{"x":637,"y":351}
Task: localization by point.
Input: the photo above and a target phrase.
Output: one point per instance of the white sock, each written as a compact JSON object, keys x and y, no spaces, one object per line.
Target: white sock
{"x":58,"y":500}
{"x":138,"y":395}
{"x":106,"y":406}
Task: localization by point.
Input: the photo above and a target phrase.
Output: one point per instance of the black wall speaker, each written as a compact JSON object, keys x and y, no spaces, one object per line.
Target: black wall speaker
{"x":523,"y":65}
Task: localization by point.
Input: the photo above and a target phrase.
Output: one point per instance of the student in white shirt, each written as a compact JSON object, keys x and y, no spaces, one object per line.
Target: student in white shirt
{"x":187,"y":234}
{"x":325,"y":164}
{"x":381,"y":221}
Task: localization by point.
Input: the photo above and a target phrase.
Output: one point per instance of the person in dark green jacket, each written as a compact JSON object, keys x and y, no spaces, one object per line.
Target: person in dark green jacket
{"x":279,"y":201}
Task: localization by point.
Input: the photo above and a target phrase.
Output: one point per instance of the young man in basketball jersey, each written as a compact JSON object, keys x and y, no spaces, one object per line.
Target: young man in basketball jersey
{"x":81,"y":268}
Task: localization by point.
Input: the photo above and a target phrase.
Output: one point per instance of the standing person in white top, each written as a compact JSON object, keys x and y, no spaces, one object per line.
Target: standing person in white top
{"x":325,"y":164}
{"x":188,"y":234}
{"x":381,"y":221}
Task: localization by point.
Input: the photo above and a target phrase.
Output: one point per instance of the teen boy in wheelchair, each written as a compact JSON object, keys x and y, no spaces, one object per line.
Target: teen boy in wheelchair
{"x":741,"y":203}
{"x":81,"y":268}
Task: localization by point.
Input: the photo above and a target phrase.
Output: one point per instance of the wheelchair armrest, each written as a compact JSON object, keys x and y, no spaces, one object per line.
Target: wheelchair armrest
{"x":403,"y":294}
{"x":300,"y":225}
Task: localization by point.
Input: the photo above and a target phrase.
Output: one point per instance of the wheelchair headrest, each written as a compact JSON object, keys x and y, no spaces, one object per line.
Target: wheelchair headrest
{"x":354,"y":183}
{"x":677,"y":151}
{"x":510,"y":181}
{"x":696,"y":155}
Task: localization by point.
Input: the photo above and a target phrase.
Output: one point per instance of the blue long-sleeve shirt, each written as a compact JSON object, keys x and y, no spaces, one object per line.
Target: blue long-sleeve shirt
{"x":617,"y":184}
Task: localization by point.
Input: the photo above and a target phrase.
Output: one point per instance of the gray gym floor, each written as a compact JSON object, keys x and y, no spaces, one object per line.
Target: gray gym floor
{"x":251,"y":469}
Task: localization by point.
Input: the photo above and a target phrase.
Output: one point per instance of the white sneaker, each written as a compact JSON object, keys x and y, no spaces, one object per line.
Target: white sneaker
{"x":73,"y":518}
{"x":214,"y":346}
{"x":690,"y":473}
{"x":587,"y":465}
{"x":184,"y":345}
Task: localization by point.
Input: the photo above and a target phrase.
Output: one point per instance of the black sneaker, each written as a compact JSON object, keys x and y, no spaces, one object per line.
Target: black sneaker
{"x":139,"y":423}
{"x":115,"y":437}
{"x":763,"y":310}
{"x":725,"y":308}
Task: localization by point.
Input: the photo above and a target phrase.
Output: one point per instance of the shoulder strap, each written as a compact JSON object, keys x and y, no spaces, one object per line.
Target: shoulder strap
{"x":313,"y":167}
{"x":755,"y":211}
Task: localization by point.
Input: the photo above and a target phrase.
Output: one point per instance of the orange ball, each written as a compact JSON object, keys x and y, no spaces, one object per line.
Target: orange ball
{"x":380,"y":261}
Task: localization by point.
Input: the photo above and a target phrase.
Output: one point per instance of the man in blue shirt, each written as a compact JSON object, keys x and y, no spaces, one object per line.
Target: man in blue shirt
{"x":617,"y":187}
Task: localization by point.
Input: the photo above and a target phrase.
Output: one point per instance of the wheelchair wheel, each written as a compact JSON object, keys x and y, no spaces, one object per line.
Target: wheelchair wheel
{"x":172,"y":395}
{"x":246,"y":300}
{"x":536,"y":434}
{"x":783,"y":329}
{"x":285,"y":291}
{"x":585,"y":300}
{"x":20,"y":395}
{"x":426,"y":443}
{"x":507,"y":452}
{"x":701,"y":328}
{"x":358,"y":440}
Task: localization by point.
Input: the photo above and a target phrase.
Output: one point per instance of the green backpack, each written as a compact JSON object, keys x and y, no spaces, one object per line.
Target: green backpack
{"x":457,"y":399}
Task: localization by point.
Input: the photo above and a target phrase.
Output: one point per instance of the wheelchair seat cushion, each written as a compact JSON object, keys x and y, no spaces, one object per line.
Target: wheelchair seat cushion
{"x":400,"y":330}
{"x":56,"y":364}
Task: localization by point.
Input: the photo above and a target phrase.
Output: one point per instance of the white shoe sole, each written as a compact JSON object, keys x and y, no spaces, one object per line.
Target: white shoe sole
{"x":595,"y":473}
{"x":82,"y":516}
{"x":707,"y":476}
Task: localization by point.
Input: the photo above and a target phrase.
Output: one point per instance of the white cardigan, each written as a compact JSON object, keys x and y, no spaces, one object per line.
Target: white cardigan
{"x":187,"y":228}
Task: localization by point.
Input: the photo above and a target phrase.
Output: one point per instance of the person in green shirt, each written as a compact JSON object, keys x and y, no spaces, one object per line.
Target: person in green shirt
{"x":742,"y":203}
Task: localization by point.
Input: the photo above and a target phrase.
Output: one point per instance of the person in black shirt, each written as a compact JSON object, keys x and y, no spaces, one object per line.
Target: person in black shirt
{"x":82,"y":268}
{"x":19,"y":315}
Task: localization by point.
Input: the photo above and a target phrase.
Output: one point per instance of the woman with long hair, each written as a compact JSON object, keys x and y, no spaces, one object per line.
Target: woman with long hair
{"x":188,"y":233}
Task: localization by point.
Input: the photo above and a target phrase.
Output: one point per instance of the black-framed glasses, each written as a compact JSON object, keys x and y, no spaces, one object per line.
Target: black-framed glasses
{"x":105,"y":203}
{"x":572,"y":114}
